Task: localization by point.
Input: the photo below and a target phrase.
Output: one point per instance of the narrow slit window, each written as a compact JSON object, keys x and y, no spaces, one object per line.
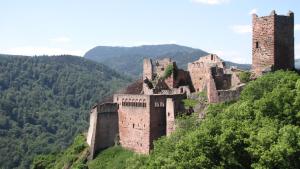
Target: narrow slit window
{"x":257,"y":45}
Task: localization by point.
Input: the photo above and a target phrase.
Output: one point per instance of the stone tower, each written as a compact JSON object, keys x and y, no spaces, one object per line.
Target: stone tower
{"x":273,"y":42}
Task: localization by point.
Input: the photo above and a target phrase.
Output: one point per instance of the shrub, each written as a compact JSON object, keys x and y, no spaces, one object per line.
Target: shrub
{"x":168,"y":72}
{"x":244,"y":76}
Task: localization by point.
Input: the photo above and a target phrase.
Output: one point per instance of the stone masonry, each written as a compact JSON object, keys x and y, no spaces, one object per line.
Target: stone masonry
{"x":273,"y":42}
{"x":143,"y":119}
{"x":104,"y":128}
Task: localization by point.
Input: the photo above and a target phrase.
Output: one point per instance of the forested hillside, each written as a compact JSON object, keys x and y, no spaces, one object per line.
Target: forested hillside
{"x":45,"y":102}
{"x":130,"y":59}
{"x":260,"y":130}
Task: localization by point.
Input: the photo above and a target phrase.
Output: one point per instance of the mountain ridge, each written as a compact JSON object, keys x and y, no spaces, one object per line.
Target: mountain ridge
{"x":130,"y":59}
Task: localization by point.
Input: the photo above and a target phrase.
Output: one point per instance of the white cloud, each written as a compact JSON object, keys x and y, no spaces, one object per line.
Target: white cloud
{"x":62,"y":39}
{"x":297,"y":27}
{"x":233,"y":56}
{"x":40,"y":50}
{"x":210,"y":2}
{"x":253,"y":11}
{"x":241,"y":29}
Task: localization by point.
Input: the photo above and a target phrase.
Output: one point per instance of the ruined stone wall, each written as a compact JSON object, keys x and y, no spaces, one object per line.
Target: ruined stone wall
{"x":198,"y":73}
{"x":284,"y":41}
{"x":103,"y":127}
{"x":212,"y":93}
{"x":161,"y":65}
{"x":170,"y":116}
{"x":212,"y":59}
{"x":235,"y":80}
{"x":222,"y":80}
{"x":134,"y":122}
{"x":170,"y":81}
{"x":201,"y":68}
{"x":147,"y":69}
{"x":231,"y":94}
{"x":179,"y":78}
{"x":273,"y":42}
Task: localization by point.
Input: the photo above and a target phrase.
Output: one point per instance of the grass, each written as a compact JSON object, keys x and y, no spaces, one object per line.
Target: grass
{"x":111,"y":158}
{"x":190,"y":103}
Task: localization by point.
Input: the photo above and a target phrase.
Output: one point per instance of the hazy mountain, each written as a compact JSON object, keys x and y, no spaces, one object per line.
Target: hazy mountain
{"x":129,"y":59}
{"x":45,"y":102}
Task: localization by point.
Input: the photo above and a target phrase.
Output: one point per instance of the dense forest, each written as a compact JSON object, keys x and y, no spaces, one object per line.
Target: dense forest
{"x":261,"y":130}
{"x":45,"y":102}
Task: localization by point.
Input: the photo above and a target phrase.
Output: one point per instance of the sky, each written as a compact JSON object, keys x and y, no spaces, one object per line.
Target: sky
{"x":53,"y":27}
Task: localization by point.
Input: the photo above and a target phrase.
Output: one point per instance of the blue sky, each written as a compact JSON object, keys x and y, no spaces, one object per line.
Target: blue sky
{"x":35,"y":27}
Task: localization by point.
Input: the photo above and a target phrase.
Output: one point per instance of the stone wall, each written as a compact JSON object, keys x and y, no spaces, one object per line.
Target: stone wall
{"x":134,"y":121}
{"x":142,"y":119}
{"x":212,"y":93}
{"x":104,"y":128}
{"x":273,"y":42}
{"x":198,"y":70}
{"x":231,"y":94}
{"x":161,"y":65}
{"x":147,"y":69}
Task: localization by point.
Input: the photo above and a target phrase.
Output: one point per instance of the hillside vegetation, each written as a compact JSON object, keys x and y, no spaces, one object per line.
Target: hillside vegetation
{"x":130,"y":59}
{"x":261,"y":130}
{"x":45,"y":102}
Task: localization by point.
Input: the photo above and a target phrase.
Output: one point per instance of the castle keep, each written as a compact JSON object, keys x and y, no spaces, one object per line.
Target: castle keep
{"x":147,"y":109}
{"x":273,"y":42}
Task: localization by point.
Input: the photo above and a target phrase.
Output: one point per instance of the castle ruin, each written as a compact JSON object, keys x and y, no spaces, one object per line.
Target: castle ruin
{"x":137,"y":118}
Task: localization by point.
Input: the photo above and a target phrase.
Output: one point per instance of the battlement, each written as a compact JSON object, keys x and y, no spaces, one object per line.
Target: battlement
{"x":273,"y":13}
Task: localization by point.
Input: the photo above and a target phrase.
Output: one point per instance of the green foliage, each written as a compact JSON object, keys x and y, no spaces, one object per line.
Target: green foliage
{"x":45,"y":102}
{"x":111,"y":158}
{"x":168,"y":72}
{"x":244,"y":76}
{"x":261,"y":130}
{"x":74,"y":157}
{"x":190,"y":103}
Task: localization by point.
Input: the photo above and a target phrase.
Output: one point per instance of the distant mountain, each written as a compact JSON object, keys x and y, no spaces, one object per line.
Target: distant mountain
{"x":240,"y":66}
{"x":129,"y":59}
{"x":45,"y":102}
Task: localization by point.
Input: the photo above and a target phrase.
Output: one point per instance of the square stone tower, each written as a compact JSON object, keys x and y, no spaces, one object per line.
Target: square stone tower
{"x":273,"y":42}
